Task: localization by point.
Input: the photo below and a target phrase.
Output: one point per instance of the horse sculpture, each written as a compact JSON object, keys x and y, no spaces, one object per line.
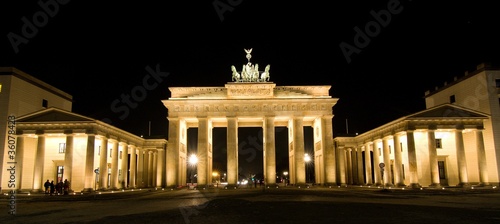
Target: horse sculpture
{"x":236,"y":75}
{"x":265,"y":75}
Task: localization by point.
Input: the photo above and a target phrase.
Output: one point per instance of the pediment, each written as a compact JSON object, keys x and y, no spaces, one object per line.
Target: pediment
{"x":448,"y":111}
{"x":53,"y":115}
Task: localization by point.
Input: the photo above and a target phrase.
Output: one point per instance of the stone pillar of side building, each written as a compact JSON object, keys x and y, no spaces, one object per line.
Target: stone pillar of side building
{"x":160,"y":172}
{"x":298,"y":146}
{"x":154,"y":169}
{"x":269,"y":151}
{"x":18,"y":164}
{"x":39,"y":162}
{"x":376,"y":163}
{"x":68,"y":159}
{"x":481,"y":157}
{"x":433,"y":160}
{"x":368,"y":165}
{"x":172,"y":157}
{"x":412,"y":159}
{"x":103,"y":164}
{"x":398,"y":161}
{"x":123,"y":179}
{"x":140,"y":167}
{"x":150,"y":168}
{"x":232,"y":151}
{"x":114,"y":165}
{"x":463,"y":179}
{"x":88,"y":185}
{"x":387,"y":160}
{"x":330,"y":171}
{"x":341,"y":152}
{"x":133,"y":167}
{"x":348,"y":159}
{"x":359,"y":157}
{"x":203,"y":147}
{"x":145,"y":168}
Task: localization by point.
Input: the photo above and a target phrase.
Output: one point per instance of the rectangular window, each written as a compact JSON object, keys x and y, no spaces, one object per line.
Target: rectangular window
{"x":401,"y":145}
{"x":0,"y":87}
{"x":99,"y":151}
{"x":120,"y":156}
{"x":452,"y":99}
{"x":62,"y":147}
{"x":45,"y":103}
{"x":438,"y":143}
{"x":497,"y":82}
{"x":110,"y":150}
{"x":403,"y":169}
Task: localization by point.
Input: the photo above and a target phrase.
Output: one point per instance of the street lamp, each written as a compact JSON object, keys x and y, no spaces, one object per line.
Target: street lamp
{"x":307,"y":159}
{"x":193,"y":160}
{"x":285,"y":173}
{"x":215,"y":175}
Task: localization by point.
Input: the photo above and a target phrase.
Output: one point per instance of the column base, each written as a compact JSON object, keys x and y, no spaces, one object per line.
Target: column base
{"x":400,"y":185}
{"x":231,"y":186}
{"x":388,"y":185}
{"x":435,"y":185}
{"x":88,"y":190}
{"x":415,"y":186}
{"x":483,"y":184}
{"x":464,"y":185}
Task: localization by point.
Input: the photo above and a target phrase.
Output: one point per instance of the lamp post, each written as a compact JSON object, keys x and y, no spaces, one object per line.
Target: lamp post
{"x":215,"y":175}
{"x":285,"y":173}
{"x":193,"y":160}
{"x":307,"y":159}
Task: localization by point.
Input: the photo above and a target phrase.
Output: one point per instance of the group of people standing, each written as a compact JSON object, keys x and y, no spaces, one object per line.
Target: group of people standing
{"x":57,"y":188}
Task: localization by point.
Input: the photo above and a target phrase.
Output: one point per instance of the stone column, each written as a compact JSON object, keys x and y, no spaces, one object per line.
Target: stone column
{"x":368,"y":165}
{"x":89,"y":164}
{"x":160,"y":181}
{"x":68,"y":158}
{"x":359,"y":156}
{"x":133,"y":167}
{"x":103,"y":164}
{"x":298,"y":145}
{"x":387,"y":160}
{"x":39,"y":161}
{"x":349,"y":165}
{"x":154,"y":170}
{"x":145,"y":169}
{"x":114,"y":165}
{"x":232,"y":151}
{"x":150,"y":168}
{"x":203,"y":175}
{"x":328,"y":150}
{"x":433,"y":160}
{"x":269,"y":151}
{"x":412,"y":159}
{"x":124,"y":166}
{"x":19,"y":163}
{"x":342,"y":166}
{"x":463,"y":179}
{"x":140,"y":167}
{"x":172,"y":163}
{"x":376,"y":163}
{"x":398,"y":162}
{"x":481,"y":157}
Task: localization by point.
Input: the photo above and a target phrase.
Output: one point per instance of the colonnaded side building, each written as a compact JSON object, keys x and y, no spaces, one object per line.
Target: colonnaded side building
{"x":454,"y":142}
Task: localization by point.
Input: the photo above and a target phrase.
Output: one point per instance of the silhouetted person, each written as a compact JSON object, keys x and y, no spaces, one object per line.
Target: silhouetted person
{"x":59,"y":187}
{"x":52,"y":187}
{"x":66,"y":187}
{"x":47,"y":186}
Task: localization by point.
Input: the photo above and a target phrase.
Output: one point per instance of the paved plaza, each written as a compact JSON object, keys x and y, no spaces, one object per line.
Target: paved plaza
{"x":353,"y":204}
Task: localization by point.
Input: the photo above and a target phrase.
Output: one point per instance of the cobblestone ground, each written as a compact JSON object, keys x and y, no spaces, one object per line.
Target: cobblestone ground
{"x":261,"y":205}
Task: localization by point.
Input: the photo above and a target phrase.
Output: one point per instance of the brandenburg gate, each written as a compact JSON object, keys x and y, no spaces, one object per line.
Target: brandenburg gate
{"x":250,"y":100}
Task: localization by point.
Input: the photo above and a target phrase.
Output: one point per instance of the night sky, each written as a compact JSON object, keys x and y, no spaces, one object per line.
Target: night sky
{"x":394,"y":52}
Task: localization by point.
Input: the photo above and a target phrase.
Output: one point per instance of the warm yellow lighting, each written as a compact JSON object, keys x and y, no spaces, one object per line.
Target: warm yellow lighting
{"x":0,"y":87}
{"x":193,"y":160}
{"x":214,"y":174}
{"x":307,"y":158}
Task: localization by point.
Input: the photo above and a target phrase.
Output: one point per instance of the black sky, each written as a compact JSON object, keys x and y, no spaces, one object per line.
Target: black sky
{"x":98,"y":51}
